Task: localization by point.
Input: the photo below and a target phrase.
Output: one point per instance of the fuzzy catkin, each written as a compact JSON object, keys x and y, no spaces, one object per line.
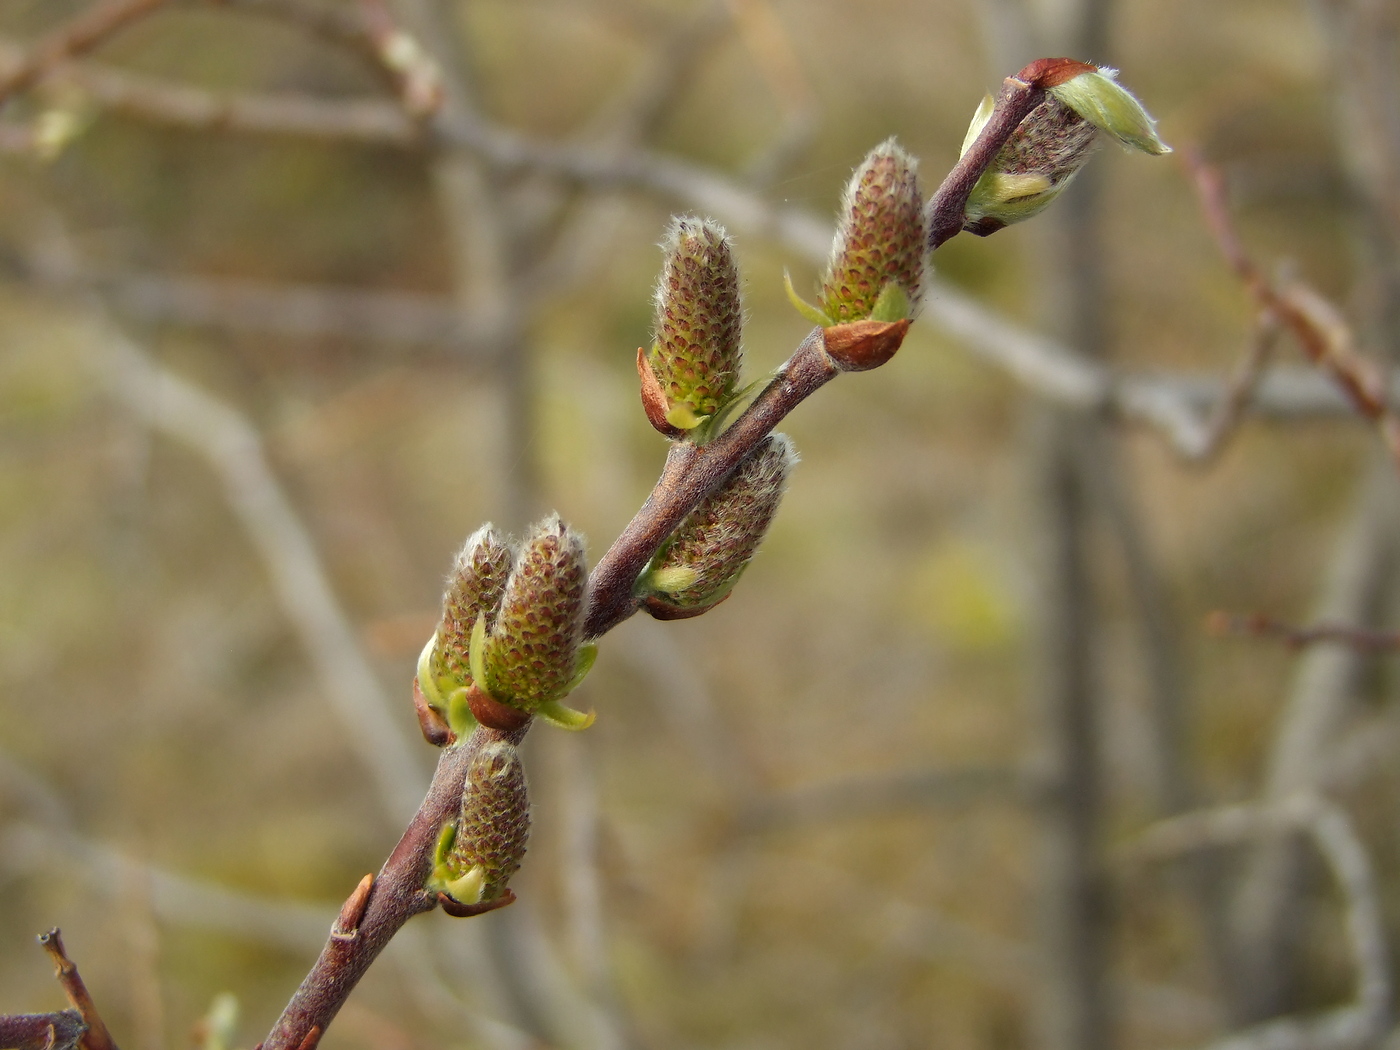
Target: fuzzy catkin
{"x":719,"y":537}
{"x":879,"y":238}
{"x":699,"y":320}
{"x":493,"y":825}
{"x":532,"y":651}
{"x":474,"y":589}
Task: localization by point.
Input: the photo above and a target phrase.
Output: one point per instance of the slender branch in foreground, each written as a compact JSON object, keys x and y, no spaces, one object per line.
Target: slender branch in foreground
{"x":81,"y":1027}
{"x":945,"y":209}
{"x":691,"y":472}
{"x":1258,"y":625}
{"x":73,"y":38}
{"x":396,"y":894}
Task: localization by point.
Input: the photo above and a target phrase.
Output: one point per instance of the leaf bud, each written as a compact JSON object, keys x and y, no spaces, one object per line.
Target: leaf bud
{"x":712,"y":546}
{"x":1096,"y":95}
{"x":695,"y":356}
{"x":876,"y":269}
{"x":477,"y":855}
{"x":1054,"y":141}
{"x":533,"y":654}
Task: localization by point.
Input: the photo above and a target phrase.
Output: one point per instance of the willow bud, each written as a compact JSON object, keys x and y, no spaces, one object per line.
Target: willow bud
{"x":474,"y":589}
{"x":695,"y":357}
{"x":1054,"y":141}
{"x":478,"y":854}
{"x":876,"y":269}
{"x":1096,"y":95}
{"x":533,"y":655}
{"x":710,"y":549}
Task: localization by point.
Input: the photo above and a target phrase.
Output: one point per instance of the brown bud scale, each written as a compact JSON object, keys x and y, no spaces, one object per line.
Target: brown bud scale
{"x":863,"y":345}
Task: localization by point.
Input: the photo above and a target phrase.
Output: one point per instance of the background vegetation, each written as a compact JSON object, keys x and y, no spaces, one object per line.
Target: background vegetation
{"x":811,"y":817}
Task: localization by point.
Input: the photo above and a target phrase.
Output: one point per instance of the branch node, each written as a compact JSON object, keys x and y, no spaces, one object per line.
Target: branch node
{"x":347,"y":925}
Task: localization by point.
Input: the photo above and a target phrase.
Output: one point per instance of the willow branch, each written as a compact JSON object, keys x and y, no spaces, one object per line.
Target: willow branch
{"x":369,"y":921}
{"x":66,"y":973}
{"x":944,"y":213}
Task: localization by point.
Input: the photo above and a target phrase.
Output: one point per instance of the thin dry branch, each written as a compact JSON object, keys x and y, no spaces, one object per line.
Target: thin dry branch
{"x":1241,"y":387}
{"x":866,"y":797}
{"x":1193,"y":415}
{"x":1367,"y":1017}
{"x":1258,"y":625}
{"x":368,"y":122}
{"x":1316,"y":323}
{"x":72,"y":39}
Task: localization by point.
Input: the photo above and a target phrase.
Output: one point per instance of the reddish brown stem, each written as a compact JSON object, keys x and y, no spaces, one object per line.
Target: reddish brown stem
{"x":74,"y":38}
{"x":692,"y":471}
{"x":1314,"y":322}
{"x":943,"y":215}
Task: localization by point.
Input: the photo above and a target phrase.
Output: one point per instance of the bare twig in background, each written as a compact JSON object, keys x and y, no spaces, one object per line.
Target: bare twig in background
{"x":1241,"y":387}
{"x":234,"y":448}
{"x":71,"y":39}
{"x":1318,"y":325}
{"x":1321,"y":700}
{"x":368,"y":122}
{"x":1367,"y":1017}
{"x":1258,"y":625}
{"x":865,"y":797}
{"x":935,"y":937}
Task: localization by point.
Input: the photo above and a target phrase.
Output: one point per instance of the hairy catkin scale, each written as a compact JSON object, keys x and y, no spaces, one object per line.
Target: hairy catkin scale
{"x":879,"y":238}
{"x":532,"y":652}
{"x":474,"y":588}
{"x":696,"y":355}
{"x":494,"y":824}
{"x":717,"y":539}
{"x":1053,"y":140}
